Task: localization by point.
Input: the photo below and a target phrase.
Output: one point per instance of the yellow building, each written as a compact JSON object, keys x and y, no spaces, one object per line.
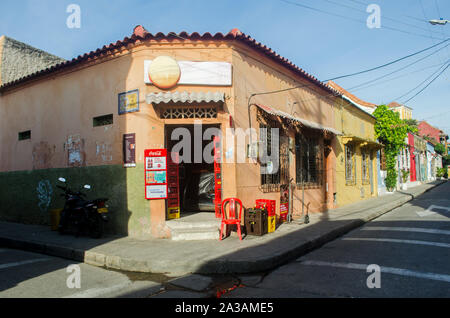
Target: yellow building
{"x":404,"y":111}
{"x":356,"y":165}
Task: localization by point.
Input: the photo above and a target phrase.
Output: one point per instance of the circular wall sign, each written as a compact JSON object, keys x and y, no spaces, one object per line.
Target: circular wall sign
{"x":164,"y":72}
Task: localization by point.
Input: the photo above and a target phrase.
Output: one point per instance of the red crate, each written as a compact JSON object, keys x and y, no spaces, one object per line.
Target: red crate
{"x":270,"y":205}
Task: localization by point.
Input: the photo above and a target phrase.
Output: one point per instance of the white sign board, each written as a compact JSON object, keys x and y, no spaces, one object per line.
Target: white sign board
{"x":156,"y":191}
{"x":199,"y":73}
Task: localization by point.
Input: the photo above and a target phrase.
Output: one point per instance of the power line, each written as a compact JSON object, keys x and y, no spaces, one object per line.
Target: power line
{"x":400,"y":69}
{"x":425,"y":16}
{"x":394,"y":78}
{"x":424,"y":81}
{"x":438,"y":115}
{"x":428,"y":84}
{"x":390,"y":63}
{"x":352,"y":19}
{"x":353,"y":74}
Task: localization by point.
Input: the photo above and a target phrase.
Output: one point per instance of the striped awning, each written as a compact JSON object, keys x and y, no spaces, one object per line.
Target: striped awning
{"x":302,"y":121}
{"x":185,"y":97}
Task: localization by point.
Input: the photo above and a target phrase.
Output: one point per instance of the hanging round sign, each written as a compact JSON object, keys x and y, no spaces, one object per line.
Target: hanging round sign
{"x":164,"y":72}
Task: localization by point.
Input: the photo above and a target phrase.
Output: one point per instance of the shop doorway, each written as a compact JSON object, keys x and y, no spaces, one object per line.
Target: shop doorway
{"x":197,"y":175}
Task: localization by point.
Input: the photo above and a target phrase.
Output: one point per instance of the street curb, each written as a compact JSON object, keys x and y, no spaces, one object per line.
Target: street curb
{"x":210,"y":266}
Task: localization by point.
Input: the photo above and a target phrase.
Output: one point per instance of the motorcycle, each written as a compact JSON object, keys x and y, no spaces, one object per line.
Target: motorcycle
{"x":81,"y":216}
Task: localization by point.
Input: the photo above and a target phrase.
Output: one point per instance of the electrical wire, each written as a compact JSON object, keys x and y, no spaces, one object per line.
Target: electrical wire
{"x":400,"y":69}
{"x":390,"y":63}
{"x":424,"y":81}
{"x":384,"y":65}
{"x":394,"y":78}
{"x":419,"y":92}
{"x":353,"y":19}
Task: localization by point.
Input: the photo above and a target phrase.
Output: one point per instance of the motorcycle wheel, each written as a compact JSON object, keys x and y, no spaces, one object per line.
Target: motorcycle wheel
{"x":97,"y":227}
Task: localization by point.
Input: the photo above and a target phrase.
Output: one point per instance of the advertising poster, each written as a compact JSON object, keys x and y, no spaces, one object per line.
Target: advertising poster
{"x":129,"y":102}
{"x":156,"y":185}
{"x":284,"y":202}
{"x":156,"y":177}
{"x":129,"y":150}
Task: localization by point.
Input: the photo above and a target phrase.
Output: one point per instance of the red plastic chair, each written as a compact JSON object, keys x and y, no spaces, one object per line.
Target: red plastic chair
{"x":230,"y":218}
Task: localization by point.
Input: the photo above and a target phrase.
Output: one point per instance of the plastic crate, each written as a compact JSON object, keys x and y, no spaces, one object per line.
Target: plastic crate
{"x":270,"y":205}
{"x":256,"y":222}
{"x":271,"y":224}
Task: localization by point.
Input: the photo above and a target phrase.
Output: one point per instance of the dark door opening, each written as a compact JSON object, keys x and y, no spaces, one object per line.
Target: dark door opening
{"x":196,"y":176}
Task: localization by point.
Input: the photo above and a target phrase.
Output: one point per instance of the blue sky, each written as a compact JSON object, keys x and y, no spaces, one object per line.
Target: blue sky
{"x":330,"y":41}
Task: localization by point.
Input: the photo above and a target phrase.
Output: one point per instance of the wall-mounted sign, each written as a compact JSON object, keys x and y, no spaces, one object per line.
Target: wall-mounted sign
{"x":156,"y":186}
{"x":129,"y":102}
{"x":165,"y":72}
{"x":129,"y":150}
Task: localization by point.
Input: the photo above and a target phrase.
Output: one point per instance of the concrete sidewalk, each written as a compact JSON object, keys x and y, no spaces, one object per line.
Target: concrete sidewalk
{"x":174,"y":258}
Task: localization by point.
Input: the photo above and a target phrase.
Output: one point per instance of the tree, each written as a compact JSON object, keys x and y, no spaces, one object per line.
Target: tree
{"x":412,"y":125}
{"x":391,"y":131}
{"x":440,"y":149}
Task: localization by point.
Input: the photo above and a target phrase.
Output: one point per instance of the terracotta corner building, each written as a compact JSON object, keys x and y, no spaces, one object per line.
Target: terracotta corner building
{"x":72,"y":119}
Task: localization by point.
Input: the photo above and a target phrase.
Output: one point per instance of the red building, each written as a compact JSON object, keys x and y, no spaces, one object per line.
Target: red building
{"x":425,"y":129}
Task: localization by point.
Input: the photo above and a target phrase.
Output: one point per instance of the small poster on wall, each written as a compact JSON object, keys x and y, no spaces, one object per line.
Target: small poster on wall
{"x":129,"y":102}
{"x":129,"y":150}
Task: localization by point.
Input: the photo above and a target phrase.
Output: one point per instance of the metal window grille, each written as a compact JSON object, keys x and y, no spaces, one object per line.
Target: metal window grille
{"x":189,"y":112}
{"x":365,"y":167}
{"x":308,"y":161}
{"x":350,"y":175}
{"x":25,"y":135}
{"x":103,"y":120}
{"x":270,"y":182}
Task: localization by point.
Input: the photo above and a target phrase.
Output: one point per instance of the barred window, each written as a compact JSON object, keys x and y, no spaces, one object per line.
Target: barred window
{"x":308,"y":160}
{"x":350,"y":169}
{"x":269,"y":180}
{"x":365,"y":166}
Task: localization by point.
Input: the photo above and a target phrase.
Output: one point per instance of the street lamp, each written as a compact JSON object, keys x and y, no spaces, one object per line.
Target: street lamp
{"x":440,"y":21}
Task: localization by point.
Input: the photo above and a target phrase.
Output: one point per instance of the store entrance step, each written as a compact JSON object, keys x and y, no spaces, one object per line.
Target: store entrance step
{"x":195,"y":226}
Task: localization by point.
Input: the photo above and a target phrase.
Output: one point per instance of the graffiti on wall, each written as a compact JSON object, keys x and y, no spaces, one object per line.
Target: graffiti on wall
{"x":44,"y":194}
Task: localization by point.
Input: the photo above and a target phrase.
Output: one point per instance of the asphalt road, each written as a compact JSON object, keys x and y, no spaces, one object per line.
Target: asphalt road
{"x":31,"y":275}
{"x":410,"y":245}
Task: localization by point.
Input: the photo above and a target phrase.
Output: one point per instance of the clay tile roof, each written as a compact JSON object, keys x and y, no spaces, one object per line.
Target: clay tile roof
{"x":350,"y":95}
{"x":394,"y":104}
{"x":140,"y":33}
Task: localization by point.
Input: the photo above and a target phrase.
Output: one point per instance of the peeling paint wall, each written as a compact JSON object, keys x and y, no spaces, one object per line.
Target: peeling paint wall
{"x":76,"y":157}
{"x":42,"y":155}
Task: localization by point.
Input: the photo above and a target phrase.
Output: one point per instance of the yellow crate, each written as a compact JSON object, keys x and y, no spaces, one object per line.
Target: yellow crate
{"x":55,"y":216}
{"x":174,"y":213}
{"x":271,"y":223}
